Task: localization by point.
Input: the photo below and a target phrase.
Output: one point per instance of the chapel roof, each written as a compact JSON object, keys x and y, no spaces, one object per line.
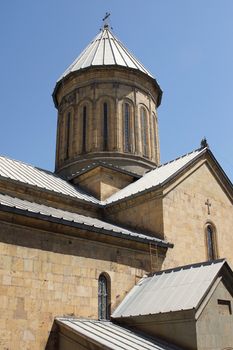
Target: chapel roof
{"x":181,"y":288}
{"x":105,"y":50}
{"x":108,"y":335}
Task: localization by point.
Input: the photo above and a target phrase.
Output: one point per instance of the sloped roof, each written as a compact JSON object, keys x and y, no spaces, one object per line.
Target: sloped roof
{"x":28,"y":174}
{"x":33,"y":209}
{"x":104,"y":50}
{"x":181,"y":288}
{"x":107,"y":335}
{"x":155,"y":177}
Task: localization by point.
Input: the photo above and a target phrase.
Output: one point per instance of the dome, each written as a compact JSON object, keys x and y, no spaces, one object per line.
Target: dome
{"x":105,"y":50}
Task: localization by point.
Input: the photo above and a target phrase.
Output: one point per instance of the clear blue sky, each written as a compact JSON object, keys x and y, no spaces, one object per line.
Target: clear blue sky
{"x":186,"y":44}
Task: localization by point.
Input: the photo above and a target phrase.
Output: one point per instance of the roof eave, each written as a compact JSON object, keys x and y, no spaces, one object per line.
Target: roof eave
{"x":90,"y":228}
{"x":66,"y":77}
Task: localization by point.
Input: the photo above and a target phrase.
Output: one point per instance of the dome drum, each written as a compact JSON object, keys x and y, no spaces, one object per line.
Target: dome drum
{"x":107,"y":114}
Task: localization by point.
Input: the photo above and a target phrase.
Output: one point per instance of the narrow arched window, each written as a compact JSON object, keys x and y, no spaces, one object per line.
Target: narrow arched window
{"x":105,"y":126}
{"x":84,"y":128}
{"x":126,"y":120}
{"x":210,"y":243}
{"x":67,"y":138}
{"x":144,"y":131}
{"x":155,"y":128}
{"x":103,"y":297}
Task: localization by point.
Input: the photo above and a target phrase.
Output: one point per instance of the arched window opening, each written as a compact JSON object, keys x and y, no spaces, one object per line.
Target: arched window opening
{"x":103,"y":297}
{"x":144,"y":131}
{"x":211,"y":243}
{"x":105,"y":126}
{"x":126,"y":117}
{"x":84,"y":128}
{"x":67,"y":138}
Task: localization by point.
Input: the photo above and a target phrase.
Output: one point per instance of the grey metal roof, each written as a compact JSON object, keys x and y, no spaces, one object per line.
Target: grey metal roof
{"x":105,"y":49}
{"x":111,"y":336}
{"x":155,"y":177}
{"x":57,"y":215}
{"x":28,"y":174}
{"x":170,"y":290}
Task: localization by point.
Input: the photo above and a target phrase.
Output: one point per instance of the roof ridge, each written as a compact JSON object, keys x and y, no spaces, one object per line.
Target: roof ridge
{"x":187,"y":267}
{"x":184,"y":155}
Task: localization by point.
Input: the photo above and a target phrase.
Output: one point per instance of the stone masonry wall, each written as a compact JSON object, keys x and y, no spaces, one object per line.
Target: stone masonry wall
{"x":44,"y":275}
{"x":215,"y":325}
{"x":186,"y":216}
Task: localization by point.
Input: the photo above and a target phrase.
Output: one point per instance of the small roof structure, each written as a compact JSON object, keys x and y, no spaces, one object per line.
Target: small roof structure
{"x":107,"y":335}
{"x":32,"y":209}
{"x":178,"y":289}
{"x":105,"y":50}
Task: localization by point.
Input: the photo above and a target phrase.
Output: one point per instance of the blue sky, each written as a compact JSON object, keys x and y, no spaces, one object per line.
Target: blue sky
{"x":186,"y":44}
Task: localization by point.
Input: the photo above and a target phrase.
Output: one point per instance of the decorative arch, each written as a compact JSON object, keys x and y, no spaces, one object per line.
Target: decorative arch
{"x":104,"y":296}
{"x":211,"y":241}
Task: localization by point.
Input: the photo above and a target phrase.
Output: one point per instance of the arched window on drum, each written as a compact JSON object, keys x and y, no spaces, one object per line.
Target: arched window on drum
{"x":105,"y":126}
{"x":84,"y":133}
{"x":144,"y":135}
{"x":126,"y":126}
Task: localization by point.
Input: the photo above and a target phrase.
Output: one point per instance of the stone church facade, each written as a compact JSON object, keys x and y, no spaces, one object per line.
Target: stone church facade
{"x":74,"y":243}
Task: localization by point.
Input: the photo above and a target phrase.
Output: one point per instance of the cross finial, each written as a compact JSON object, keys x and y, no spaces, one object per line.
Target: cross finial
{"x":204,"y":143}
{"x":106,"y":19}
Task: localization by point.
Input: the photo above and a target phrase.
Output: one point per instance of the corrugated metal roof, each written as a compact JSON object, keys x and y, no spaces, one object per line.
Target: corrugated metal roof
{"x":171,"y":290}
{"x":155,"y":177}
{"x":94,"y":224}
{"x":105,"y":49}
{"x":28,"y":174}
{"x":111,"y":336}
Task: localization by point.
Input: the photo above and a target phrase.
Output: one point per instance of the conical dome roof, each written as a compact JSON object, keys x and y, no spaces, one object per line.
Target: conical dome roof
{"x":104,"y":50}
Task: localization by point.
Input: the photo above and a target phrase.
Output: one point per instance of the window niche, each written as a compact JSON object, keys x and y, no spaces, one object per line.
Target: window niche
{"x":104,"y":297}
{"x":211,"y":244}
{"x":67,"y":135}
{"x":105,"y":126}
{"x":84,"y":129}
{"x":126,"y":126}
{"x":144,"y":136}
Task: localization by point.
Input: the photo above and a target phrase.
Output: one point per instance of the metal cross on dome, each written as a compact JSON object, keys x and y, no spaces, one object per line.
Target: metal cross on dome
{"x":106,"y":19}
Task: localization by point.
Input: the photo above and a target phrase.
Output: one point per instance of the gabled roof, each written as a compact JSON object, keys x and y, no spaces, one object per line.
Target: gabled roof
{"x":51,"y":214}
{"x":107,"y":335}
{"x":33,"y":176}
{"x":181,"y":288}
{"x":105,"y":50}
{"x":156,"y":177}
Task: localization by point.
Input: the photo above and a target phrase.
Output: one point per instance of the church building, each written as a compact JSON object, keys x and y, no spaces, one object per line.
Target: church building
{"x":114,"y":250}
